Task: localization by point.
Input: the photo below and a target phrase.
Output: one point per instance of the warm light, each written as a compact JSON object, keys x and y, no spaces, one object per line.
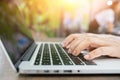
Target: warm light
{"x":71,"y":2}
{"x":109,"y":2}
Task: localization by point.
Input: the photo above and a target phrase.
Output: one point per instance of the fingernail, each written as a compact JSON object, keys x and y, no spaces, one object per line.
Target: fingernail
{"x":86,"y":56}
{"x":69,"y":50}
{"x":63,"y":45}
{"x":74,"y":52}
{"x":68,"y":46}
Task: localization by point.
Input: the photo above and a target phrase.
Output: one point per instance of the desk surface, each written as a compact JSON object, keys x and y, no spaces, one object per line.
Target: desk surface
{"x":6,"y":72}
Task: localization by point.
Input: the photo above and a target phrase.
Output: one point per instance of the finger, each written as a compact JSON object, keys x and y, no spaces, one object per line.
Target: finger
{"x":97,"y":53}
{"x":74,"y":44}
{"x":83,"y":45}
{"x":68,"y":40}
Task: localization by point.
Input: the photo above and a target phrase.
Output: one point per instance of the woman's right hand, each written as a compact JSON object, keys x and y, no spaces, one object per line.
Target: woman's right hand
{"x":103,"y":45}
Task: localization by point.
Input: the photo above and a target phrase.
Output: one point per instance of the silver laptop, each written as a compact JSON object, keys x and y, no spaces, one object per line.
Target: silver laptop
{"x":29,"y":57}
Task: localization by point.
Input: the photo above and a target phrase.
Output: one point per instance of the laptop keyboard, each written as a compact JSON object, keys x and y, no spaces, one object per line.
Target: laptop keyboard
{"x":54,"y":54}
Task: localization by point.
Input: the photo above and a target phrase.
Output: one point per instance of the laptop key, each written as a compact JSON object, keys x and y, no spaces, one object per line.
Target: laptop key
{"x":64,"y":57}
{"x":75,"y":60}
{"x":87,"y":62}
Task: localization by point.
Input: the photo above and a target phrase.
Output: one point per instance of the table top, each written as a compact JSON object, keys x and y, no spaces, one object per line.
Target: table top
{"x":6,"y":72}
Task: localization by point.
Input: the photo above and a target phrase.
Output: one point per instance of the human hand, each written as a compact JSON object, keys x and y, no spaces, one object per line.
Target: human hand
{"x":104,"y":45}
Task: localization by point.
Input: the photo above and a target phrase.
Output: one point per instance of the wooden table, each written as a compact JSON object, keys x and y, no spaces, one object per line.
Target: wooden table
{"x":6,"y":72}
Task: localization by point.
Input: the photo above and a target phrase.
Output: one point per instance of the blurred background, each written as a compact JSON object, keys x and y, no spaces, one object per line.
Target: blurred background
{"x":59,"y":18}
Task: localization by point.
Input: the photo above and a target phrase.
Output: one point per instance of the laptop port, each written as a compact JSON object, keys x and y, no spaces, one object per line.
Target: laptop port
{"x":68,"y":71}
{"x":56,"y":71}
{"x":78,"y":71}
{"x":46,"y":71}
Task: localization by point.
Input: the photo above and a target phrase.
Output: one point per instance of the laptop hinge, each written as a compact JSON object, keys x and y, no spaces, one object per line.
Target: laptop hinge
{"x":29,"y":52}
{"x":27,"y":55}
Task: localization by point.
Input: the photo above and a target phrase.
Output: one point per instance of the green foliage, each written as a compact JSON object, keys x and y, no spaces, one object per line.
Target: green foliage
{"x":39,"y":15}
{"x":45,"y":15}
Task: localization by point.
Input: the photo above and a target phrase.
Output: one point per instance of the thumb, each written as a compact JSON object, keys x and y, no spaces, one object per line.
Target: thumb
{"x":97,"y":53}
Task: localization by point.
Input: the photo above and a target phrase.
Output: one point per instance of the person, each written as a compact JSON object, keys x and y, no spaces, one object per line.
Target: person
{"x":72,"y":24}
{"x":97,"y":44}
{"x":105,"y":19}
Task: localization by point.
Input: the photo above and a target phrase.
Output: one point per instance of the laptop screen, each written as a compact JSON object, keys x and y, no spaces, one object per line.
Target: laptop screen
{"x":14,"y":35}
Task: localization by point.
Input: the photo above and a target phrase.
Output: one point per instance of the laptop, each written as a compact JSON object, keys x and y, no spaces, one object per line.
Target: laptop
{"x":29,"y":57}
